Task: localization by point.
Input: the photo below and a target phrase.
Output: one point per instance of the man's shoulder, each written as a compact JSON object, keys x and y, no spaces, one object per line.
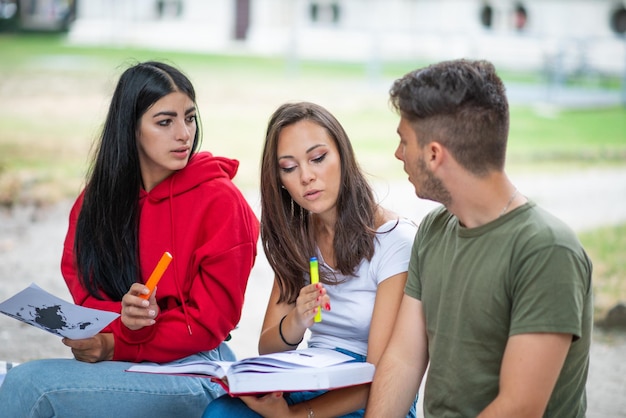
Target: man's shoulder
{"x":434,"y":221}
{"x":541,"y":224}
{"x":436,"y":215}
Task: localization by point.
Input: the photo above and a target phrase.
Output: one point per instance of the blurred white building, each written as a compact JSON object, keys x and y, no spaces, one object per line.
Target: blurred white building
{"x":586,"y":36}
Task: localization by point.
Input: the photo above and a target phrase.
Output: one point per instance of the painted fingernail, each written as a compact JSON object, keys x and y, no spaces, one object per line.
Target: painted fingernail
{"x":328,"y":306}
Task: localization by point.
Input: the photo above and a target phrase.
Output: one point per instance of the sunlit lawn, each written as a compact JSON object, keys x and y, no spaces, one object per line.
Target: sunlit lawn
{"x":53,"y":98}
{"x":606,"y":247}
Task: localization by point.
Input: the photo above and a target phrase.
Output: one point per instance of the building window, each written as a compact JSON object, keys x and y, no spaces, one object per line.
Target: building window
{"x":486,"y":16}
{"x":169,"y":8}
{"x":324,"y":12}
{"x":618,"y":20}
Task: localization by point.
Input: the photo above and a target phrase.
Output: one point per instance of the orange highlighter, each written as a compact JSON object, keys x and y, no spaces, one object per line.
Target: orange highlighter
{"x":157,"y":273}
{"x":315,"y":278}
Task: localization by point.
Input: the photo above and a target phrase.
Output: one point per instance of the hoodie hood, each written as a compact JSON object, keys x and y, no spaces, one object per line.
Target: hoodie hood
{"x":202,"y":167}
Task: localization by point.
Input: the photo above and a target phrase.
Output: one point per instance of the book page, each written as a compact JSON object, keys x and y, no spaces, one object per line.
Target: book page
{"x":308,"y":357}
{"x":215,"y":369}
{"x":286,"y":360}
{"x":45,"y":311}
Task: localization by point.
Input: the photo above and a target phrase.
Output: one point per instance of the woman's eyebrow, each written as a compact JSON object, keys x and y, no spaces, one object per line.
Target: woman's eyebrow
{"x":165,"y":113}
{"x":173,"y":112}
{"x":314,"y":147}
{"x":307,"y":151}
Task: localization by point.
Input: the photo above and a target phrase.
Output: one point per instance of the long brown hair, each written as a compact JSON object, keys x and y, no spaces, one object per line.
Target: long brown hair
{"x":286,"y":228}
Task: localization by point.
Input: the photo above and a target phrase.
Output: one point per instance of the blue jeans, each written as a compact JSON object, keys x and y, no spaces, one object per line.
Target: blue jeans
{"x":68,"y":388}
{"x":228,"y":407}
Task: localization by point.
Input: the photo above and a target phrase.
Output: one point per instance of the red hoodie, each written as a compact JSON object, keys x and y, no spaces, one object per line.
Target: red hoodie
{"x":202,"y":219}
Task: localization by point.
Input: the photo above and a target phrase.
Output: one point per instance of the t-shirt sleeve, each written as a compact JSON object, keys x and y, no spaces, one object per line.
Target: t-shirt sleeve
{"x":394,"y":250}
{"x":549,"y":292}
{"x":413,"y":286}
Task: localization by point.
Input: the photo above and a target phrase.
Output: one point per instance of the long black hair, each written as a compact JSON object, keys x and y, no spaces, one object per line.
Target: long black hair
{"x":106,"y":240}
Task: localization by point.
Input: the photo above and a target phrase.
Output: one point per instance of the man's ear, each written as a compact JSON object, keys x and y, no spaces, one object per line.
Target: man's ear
{"x":434,"y":154}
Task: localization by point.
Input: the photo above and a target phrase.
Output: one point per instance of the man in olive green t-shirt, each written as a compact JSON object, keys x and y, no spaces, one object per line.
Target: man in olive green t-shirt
{"x":499,"y":295}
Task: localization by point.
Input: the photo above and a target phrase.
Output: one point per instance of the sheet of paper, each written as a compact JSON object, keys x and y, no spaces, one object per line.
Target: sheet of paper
{"x":43,"y":310}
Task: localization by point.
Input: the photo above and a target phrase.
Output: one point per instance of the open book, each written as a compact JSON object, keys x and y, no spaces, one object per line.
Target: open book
{"x":288,"y":371}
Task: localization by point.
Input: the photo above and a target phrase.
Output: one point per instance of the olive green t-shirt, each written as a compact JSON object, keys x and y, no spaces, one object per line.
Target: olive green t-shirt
{"x":525,"y":272}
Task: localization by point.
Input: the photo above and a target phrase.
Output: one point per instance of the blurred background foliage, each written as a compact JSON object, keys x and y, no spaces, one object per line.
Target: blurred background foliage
{"x":54,"y":96}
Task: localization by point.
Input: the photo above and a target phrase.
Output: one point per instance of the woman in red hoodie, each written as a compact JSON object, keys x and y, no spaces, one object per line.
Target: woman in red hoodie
{"x":148,"y":192}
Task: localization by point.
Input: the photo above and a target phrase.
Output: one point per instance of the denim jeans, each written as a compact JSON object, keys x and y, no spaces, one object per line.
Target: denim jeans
{"x":228,"y":407}
{"x":68,"y":388}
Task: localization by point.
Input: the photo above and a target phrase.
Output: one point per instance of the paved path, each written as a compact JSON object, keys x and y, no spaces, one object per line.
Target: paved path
{"x":31,"y":243}
{"x":583,"y":199}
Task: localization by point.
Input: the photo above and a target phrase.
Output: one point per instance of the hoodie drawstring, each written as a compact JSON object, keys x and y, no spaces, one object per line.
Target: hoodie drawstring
{"x":176,"y":281}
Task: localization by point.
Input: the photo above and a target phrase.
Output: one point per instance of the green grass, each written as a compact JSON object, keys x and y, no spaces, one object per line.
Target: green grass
{"x":606,"y":247}
{"x":53,"y":98}
{"x":590,"y":135}
{"x":548,"y":138}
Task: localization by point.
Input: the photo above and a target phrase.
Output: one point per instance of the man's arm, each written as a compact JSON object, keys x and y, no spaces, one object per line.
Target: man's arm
{"x":400,"y":370}
{"x":530,"y":368}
